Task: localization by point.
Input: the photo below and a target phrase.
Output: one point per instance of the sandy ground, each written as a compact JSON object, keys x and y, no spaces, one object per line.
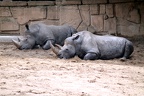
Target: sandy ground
{"x":40,"y":73}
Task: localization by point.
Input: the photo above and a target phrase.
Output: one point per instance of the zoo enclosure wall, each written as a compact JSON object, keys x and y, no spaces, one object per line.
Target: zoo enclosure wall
{"x":119,"y":17}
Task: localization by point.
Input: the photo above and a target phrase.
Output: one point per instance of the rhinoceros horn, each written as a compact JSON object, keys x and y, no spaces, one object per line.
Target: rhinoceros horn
{"x":20,"y":39}
{"x":16,"y":43}
{"x":58,"y":46}
{"x":54,"y":49}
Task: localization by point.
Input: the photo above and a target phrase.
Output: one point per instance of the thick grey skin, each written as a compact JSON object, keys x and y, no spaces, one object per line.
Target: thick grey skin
{"x":41,"y":34}
{"x":88,"y":46}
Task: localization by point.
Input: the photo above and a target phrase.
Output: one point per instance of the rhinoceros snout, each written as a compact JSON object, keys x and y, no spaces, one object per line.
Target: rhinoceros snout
{"x":60,"y":56}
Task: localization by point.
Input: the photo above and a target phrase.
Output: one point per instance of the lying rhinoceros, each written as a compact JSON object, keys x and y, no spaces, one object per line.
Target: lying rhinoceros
{"x":41,"y":34}
{"x":88,"y":46}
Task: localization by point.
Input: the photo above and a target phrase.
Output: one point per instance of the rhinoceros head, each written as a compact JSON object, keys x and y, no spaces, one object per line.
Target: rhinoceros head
{"x":27,"y":43}
{"x":68,"y":50}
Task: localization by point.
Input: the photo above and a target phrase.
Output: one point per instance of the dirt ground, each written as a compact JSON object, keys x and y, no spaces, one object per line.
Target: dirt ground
{"x":40,"y":73}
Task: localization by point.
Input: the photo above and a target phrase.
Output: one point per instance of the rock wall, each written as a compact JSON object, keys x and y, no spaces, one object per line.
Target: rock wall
{"x":119,"y":17}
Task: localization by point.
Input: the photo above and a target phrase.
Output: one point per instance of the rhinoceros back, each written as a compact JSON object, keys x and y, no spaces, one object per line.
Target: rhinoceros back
{"x":111,"y":47}
{"x":61,"y":33}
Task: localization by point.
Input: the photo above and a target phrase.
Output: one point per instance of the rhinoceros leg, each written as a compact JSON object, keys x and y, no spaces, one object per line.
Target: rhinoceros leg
{"x":47,"y":45}
{"x":91,"y":56}
{"x":127,"y":50}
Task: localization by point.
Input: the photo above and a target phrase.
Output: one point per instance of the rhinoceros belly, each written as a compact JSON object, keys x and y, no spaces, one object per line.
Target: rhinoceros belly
{"x":40,"y":41}
{"x":111,"y":49}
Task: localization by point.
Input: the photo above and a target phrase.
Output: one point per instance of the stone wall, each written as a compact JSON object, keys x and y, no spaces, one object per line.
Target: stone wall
{"x":119,"y":17}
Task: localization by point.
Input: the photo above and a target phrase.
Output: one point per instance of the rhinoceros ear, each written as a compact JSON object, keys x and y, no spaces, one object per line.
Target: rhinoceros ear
{"x":27,"y":26}
{"x":75,"y":37}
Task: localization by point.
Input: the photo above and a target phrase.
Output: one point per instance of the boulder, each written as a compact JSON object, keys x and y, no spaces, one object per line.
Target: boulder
{"x":97,"y":22}
{"x":8,"y":24}
{"x":70,"y":15}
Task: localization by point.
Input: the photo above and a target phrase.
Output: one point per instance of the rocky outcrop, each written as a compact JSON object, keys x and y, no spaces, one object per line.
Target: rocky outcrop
{"x":124,"y":17}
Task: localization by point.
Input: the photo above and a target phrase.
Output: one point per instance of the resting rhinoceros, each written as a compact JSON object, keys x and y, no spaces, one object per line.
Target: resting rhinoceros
{"x":88,"y":46}
{"x":41,"y":34}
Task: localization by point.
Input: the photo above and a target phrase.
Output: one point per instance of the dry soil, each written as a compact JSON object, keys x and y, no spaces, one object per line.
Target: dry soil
{"x":40,"y":73}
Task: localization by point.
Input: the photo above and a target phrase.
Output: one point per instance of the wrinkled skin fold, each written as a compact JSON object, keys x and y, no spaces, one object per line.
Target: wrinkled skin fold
{"x":40,"y":34}
{"x":88,"y":46}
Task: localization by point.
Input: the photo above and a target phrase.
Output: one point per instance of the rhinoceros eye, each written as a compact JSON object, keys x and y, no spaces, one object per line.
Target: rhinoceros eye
{"x":66,"y":50}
